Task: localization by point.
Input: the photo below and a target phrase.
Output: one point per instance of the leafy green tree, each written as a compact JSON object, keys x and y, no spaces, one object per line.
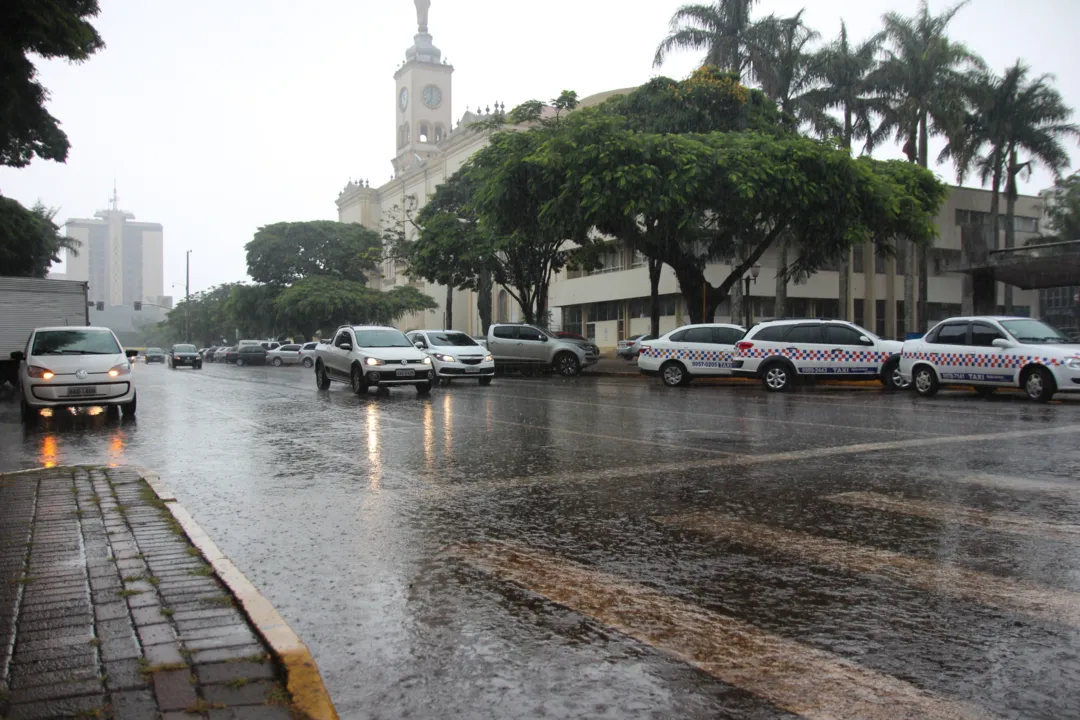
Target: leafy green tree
{"x":1010,"y":115}
{"x":56,"y":29}
{"x":719,"y":30}
{"x":921,"y":79}
{"x":1063,"y":207}
{"x":324,"y":303}
{"x":30,"y":241}
{"x":284,"y":253}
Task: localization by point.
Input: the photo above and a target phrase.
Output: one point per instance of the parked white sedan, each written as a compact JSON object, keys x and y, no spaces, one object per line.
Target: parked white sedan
{"x":284,"y":355}
{"x":690,"y":352}
{"x":74,"y":366}
{"x":455,"y":355}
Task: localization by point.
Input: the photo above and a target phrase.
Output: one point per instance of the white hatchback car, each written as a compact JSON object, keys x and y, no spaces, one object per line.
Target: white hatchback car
{"x":75,"y":366}
{"x":779,"y":351}
{"x":455,"y":355}
{"x":991,"y":352}
{"x":692,"y":351}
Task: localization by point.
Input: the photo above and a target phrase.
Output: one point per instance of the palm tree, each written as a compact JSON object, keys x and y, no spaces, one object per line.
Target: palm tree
{"x":921,"y":80}
{"x":718,"y":29}
{"x":776,"y":50}
{"x":843,"y":71}
{"x":1008,"y":116}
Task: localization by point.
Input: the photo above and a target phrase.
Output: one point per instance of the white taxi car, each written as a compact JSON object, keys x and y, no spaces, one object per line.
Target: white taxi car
{"x":991,"y":352}
{"x":689,"y":352}
{"x":779,"y":351}
{"x":74,"y":366}
{"x":455,"y":355}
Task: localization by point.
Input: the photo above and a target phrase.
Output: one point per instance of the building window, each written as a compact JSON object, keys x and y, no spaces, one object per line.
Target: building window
{"x":1021,"y":223}
{"x":440,"y":133}
{"x":423,"y":132}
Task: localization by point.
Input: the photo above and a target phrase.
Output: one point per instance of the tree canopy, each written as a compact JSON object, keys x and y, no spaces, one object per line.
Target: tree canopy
{"x":284,"y":253}
{"x":30,"y":241}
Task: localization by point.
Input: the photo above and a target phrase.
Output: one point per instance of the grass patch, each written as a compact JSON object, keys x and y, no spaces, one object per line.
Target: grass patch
{"x":167,"y":612}
{"x":238,"y":682}
{"x":129,"y":593}
{"x":201,"y":706}
{"x":95,"y":642}
{"x":133,"y":578}
{"x":147,"y":670}
{"x":194,"y":552}
{"x":278,"y":696}
{"x":204,"y":571}
{"x":256,"y":658}
{"x":23,"y":580}
{"x":153,"y":580}
{"x":98,"y":712}
{"x":220,"y":601}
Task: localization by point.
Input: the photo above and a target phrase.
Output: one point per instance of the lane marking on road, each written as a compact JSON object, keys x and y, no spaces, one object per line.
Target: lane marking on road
{"x":947,"y":512}
{"x":789,"y":675}
{"x":1045,"y":603}
{"x":637,"y":471}
{"x":1015,"y":482}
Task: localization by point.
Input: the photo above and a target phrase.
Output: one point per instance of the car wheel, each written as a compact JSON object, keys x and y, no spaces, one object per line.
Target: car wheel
{"x":128,"y":409}
{"x":567,"y":365}
{"x":776,"y":377}
{"x":1039,"y":384}
{"x":925,"y":381}
{"x":424,"y":388}
{"x":241,"y":362}
{"x":485,"y":381}
{"x":29,"y":414}
{"x":277,"y":362}
{"x":357,"y":381}
{"x":983,"y":391}
{"x":308,"y":363}
{"x":891,"y":377}
{"x":322,"y":380}
{"x":674,"y":374}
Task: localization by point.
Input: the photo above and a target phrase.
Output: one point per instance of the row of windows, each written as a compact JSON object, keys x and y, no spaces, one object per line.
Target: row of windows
{"x":1021,"y":223}
{"x":813,"y":334}
{"x":426,"y":134}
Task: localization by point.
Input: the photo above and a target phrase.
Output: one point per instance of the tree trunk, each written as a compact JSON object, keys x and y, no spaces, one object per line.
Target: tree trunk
{"x":924,"y":284}
{"x":844,"y":293}
{"x":911,"y":267}
{"x":780,"y":309}
{"x":483,"y":300}
{"x":541,"y":304}
{"x":448,"y":321}
{"x":692,"y":286}
{"x":655,"y":268}
{"x":737,"y":299}
{"x":1010,"y":227}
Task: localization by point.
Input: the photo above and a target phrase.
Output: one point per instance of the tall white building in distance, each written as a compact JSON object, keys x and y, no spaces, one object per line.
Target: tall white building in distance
{"x":120,"y":258}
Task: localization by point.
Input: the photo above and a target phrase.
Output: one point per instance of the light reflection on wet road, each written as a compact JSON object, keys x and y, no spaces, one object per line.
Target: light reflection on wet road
{"x":349,"y":514}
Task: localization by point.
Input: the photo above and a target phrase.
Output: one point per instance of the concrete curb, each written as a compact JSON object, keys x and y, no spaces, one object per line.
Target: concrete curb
{"x":303,"y":680}
{"x":731,"y":380}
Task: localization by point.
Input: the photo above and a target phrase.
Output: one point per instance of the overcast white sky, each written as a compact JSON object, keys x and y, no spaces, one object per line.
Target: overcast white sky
{"x":216,"y":118}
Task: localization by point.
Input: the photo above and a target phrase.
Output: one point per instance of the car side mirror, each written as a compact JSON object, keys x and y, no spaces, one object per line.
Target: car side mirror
{"x":345,"y":346}
{"x":543,"y":338}
{"x":865,"y":340}
{"x":419,"y":345}
{"x":18,"y":356}
{"x":1001,"y":343}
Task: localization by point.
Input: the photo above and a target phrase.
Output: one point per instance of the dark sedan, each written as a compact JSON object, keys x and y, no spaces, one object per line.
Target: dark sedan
{"x":154,"y":355}
{"x":184,"y":356}
{"x":251,"y":355}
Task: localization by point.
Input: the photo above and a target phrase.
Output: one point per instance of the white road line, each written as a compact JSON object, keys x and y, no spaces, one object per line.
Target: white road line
{"x":1013,"y":482}
{"x":1045,"y":603}
{"x":795,"y":677}
{"x":945,"y":512}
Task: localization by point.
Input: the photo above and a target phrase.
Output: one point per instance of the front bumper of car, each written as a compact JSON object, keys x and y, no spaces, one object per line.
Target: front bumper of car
{"x":590,"y":359}
{"x":155,"y":358}
{"x":387,"y":375}
{"x":187,"y":360}
{"x":40,"y":394}
{"x":461,"y":369}
{"x":1067,"y":379}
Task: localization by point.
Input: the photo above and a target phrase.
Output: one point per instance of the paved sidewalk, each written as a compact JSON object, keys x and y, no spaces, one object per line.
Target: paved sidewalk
{"x":106,"y":609}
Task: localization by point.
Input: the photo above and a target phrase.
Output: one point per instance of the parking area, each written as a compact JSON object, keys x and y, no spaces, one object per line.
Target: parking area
{"x":610,"y":547}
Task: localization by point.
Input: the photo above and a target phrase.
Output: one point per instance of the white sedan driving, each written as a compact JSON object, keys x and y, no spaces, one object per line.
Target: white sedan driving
{"x":456,"y":356}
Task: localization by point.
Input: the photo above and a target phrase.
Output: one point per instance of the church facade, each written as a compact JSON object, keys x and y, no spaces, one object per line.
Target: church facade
{"x":612,"y":303}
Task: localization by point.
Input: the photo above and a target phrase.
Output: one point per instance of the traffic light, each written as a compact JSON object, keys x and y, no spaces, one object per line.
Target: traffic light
{"x":138,"y":305}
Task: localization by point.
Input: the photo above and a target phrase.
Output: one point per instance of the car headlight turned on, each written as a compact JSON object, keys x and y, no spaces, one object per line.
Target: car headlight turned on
{"x":427,"y":361}
{"x":40,"y":373}
{"x":445,"y":358}
{"x":119,"y":370}
{"x":373,"y":361}
{"x":489,"y":358}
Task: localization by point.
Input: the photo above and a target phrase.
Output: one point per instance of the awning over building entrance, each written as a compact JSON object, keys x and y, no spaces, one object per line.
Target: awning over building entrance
{"x":1031,"y":267}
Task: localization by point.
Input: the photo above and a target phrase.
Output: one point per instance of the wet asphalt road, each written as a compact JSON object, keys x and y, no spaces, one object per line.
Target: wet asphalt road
{"x":924,"y":547}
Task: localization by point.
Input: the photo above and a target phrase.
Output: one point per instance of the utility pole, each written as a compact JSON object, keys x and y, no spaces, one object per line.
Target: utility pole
{"x":187,"y":299}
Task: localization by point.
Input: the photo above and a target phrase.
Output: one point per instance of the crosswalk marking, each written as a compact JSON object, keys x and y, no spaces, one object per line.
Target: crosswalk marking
{"x":790,"y":675}
{"x":947,"y":512}
{"x":1044,"y":603}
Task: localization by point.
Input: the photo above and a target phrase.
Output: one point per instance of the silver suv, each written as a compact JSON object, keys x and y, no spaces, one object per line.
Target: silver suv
{"x":527,"y":346}
{"x":370,"y":356}
{"x":780,"y":351}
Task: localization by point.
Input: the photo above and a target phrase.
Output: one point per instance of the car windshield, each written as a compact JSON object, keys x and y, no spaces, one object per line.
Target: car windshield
{"x":455,"y":339}
{"x":865,"y":332}
{"x":74,"y":342}
{"x":1033,"y":331}
{"x":154,"y":351}
{"x":382,"y":339}
{"x":183,"y":348}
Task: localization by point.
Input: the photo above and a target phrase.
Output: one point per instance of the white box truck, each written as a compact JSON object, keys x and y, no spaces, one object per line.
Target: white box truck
{"x":28,"y":303}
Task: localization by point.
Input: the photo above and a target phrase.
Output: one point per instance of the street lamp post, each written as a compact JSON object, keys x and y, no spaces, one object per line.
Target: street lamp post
{"x":754,"y":272}
{"x":187,"y":299}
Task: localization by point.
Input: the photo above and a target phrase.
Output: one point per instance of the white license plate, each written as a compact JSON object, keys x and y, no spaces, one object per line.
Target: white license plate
{"x":82,"y":391}
{"x":406,"y":373}
{"x":472,"y":370}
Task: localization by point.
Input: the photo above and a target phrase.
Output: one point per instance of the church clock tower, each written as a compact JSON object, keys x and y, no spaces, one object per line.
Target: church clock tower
{"x":421,"y":97}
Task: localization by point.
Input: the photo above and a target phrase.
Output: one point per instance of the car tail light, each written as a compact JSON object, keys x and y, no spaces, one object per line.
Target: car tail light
{"x":40,"y":373}
{"x":743,"y":345}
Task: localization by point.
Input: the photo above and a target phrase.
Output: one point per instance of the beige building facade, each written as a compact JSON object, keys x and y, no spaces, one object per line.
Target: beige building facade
{"x":612,"y":303}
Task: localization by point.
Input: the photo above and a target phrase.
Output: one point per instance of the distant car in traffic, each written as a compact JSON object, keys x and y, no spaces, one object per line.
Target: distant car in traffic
{"x":269,"y":345}
{"x":74,"y":366}
{"x":631,"y":347}
{"x":455,"y":355}
{"x":155,"y":355}
{"x":284,"y":355}
{"x":208,"y":353}
{"x":307,"y":354}
{"x":250,"y":355}
{"x":229,"y":356}
{"x":184,"y":356}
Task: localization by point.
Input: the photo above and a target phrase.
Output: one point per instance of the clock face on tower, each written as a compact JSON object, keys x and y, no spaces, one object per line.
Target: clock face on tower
{"x":432,"y":96}
{"x":403,"y":99}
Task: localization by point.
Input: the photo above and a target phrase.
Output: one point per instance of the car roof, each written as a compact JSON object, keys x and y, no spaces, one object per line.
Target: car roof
{"x":998,"y":318}
{"x":73,"y":327}
{"x":696,"y":325}
{"x":368,"y":327}
{"x":459,"y":332}
{"x":788,"y":321}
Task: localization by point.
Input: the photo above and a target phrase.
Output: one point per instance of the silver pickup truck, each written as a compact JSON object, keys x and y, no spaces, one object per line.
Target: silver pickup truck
{"x":519,"y":346}
{"x":366,"y":356}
